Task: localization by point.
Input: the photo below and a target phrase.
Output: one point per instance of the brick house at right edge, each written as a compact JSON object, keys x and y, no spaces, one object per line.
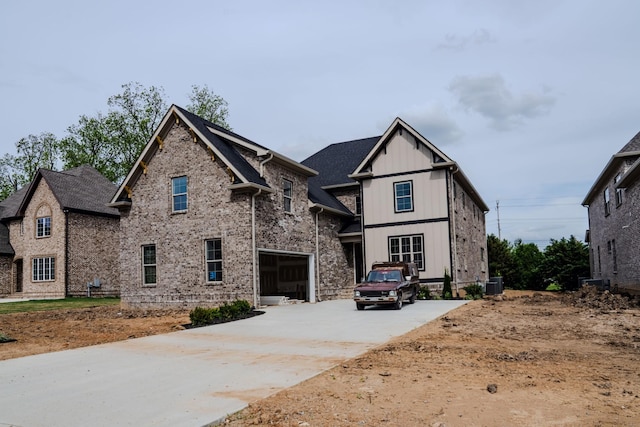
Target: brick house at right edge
{"x":613,"y":204}
{"x":412,"y":203}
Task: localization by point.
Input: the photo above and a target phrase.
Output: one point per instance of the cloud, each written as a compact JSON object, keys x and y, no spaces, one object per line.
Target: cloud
{"x":460,"y":43}
{"x":434,"y":123}
{"x":490,"y":97}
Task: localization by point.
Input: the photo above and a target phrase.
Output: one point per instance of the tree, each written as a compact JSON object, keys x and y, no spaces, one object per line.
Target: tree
{"x":527,"y":259}
{"x":565,"y":261}
{"x":206,"y":104}
{"x":500,"y":259}
{"x":33,"y":152}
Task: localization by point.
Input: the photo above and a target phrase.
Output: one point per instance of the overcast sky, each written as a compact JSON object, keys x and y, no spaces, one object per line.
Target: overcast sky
{"x":531,"y":98}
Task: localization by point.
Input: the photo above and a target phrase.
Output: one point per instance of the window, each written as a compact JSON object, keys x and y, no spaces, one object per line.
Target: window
{"x":213,"y":254}
{"x":607,"y":202}
{"x":407,"y":249}
{"x":44,"y":269}
{"x":43,"y":227}
{"x":403,"y":192}
{"x":287,"y":191}
{"x":149,"y":265}
{"x":615,"y":256}
{"x":618,"y":190}
{"x":358,"y":205}
{"x":179,"y":191}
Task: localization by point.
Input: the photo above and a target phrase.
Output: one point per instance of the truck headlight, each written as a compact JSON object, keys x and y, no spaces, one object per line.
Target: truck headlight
{"x":392,"y":293}
{"x":356,"y":293}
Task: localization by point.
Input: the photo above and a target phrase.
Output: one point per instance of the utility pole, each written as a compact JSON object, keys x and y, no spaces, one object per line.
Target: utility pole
{"x":498,"y":213}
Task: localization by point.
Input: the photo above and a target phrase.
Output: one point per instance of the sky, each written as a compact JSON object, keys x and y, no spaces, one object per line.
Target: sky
{"x":530,"y":98}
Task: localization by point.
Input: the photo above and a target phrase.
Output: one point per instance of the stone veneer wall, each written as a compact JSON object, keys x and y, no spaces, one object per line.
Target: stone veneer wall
{"x":622,"y":224}
{"x":93,"y":253}
{"x":213,"y":212}
{"x":471,"y":240}
{"x":6,"y":275}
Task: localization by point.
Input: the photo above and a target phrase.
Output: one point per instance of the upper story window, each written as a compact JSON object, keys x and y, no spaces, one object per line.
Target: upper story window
{"x":149,"y":265}
{"x":618,"y":190}
{"x":43,"y":226}
{"x":403,"y":194}
{"x":179,"y":192}
{"x":287,"y":191}
{"x":358,"y":205}
{"x":607,"y":201}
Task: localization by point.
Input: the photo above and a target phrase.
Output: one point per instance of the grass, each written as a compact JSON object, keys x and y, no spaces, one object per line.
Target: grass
{"x":553,"y":287}
{"x":56,"y":304}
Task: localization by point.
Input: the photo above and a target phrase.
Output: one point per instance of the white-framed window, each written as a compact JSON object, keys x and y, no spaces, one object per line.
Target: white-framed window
{"x":607,"y":201}
{"x":618,"y":190}
{"x":44,"y":269}
{"x":149,"y":265}
{"x":43,"y":226}
{"x":403,"y":196}
{"x":213,"y":255}
{"x":179,"y":193}
{"x":287,"y":191}
{"x":408,"y":249}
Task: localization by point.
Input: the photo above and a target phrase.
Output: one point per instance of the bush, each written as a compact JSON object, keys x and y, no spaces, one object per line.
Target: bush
{"x":474,"y":291}
{"x":447,"y":293}
{"x":424,"y":293}
{"x":201,"y":316}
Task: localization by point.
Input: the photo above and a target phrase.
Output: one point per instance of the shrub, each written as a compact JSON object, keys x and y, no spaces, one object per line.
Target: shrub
{"x":424,"y":293}
{"x":473,"y":291}
{"x":201,"y":316}
{"x":446,"y":287}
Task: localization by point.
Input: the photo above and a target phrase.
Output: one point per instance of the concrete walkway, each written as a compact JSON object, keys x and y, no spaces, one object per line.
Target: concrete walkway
{"x":196,"y":377}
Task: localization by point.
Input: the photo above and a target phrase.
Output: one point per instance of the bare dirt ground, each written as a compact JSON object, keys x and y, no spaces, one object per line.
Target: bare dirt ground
{"x":525,"y":359}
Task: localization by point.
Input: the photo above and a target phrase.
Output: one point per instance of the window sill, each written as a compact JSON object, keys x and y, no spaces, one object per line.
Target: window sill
{"x":153,"y":285}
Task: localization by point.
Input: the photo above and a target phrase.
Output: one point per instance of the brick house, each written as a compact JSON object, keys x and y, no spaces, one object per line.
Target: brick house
{"x":411,"y":202}
{"x":208,"y":216}
{"x":613,"y":204}
{"x":58,"y":234}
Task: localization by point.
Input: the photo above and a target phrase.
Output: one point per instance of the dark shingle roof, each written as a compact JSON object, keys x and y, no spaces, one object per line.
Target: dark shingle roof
{"x":5,"y":245}
{"x":336,"y":161}
{"x":9,"y":207}
{"x":633,"y":145}
{"x":226,"y":148}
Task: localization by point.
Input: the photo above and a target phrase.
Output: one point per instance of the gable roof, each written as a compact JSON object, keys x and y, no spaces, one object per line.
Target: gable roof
{"x":630,"y":152}
{"x":5,"y":244}
{"x":222,"y":143}
{"x":82,"y":189}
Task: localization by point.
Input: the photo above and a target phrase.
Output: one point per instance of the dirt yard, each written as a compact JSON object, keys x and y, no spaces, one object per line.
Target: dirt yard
{"x":521,"y":360}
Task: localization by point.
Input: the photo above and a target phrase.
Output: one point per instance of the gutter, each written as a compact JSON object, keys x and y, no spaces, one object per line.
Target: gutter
{"x":454,"y":170}
{"x":318,"y":256}
{"x":66,"y":252}
{"x":253,"y":246}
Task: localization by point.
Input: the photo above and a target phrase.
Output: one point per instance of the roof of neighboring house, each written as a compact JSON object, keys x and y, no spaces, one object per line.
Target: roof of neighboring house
{"x":337,"y":161}
{"x":82,"y":189}
{"x":630,"y":152}
{"x":5,"y":245}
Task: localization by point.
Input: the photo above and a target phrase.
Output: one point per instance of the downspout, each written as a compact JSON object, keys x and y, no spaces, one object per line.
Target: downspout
{"x":264,"y":162}
{"x":454,"y":267}
{"x":253,"y":246}
{"x":318,"y":256}
{"x":66,"y":252}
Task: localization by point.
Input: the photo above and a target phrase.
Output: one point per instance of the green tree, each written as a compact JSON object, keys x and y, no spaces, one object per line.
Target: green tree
{"x":447,"y":293}
{"x":32,"y":153}
{"x":499,"y":253}
{"x":527,"y":259}
{"x":206,"y":104}
{"x":565,"y":261}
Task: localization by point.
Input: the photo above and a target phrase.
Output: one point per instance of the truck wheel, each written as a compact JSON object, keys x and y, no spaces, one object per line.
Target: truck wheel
{"x":414,"y":295}
{"x":398,"y":304}
{"x":359,"y":306}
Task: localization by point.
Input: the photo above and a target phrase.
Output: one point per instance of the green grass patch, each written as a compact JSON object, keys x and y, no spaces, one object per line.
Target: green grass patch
{"x":56,"y":304}
{"x":553,"y":287}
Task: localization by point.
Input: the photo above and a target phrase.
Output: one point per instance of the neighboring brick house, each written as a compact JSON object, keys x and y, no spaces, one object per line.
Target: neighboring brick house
{"x":208,"y":216}
{"x":58,"y":234}
{"x":411,"y":202}
{"x":613,"y":204}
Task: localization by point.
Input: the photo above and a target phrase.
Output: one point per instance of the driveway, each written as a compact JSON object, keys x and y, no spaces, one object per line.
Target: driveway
{"x":196,"y":377}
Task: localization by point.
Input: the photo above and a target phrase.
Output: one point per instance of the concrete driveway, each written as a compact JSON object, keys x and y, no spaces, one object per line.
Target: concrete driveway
{"x":198,"y":376}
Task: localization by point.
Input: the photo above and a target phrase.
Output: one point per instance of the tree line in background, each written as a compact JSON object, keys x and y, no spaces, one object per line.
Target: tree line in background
{"x":523,"y":266}
{"x":109,"y":142}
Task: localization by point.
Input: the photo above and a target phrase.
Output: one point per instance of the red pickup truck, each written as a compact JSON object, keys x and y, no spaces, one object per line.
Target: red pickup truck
{"x":388,"y":283}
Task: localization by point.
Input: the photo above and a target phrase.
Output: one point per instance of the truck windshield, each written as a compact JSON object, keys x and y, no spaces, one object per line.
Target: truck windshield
{"x":384,"y":276}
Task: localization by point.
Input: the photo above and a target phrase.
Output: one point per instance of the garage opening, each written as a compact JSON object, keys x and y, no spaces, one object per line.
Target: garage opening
{"x":284,"y":275}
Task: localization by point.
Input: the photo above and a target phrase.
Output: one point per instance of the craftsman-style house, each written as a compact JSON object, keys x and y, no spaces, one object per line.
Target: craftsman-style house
{"x":613,"y":204}
{"x":57,"y":235}
{"x":208,"y":216}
